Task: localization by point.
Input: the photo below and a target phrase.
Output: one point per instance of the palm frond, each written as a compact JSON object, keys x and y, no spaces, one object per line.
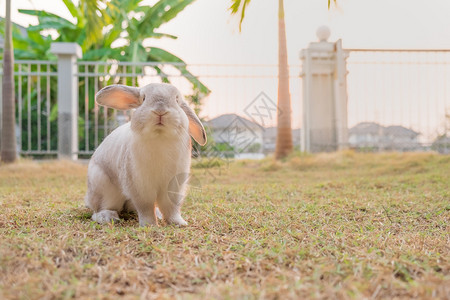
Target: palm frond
{"x":239,"y":7}
{"x":94,"y":24}
{"x":329,"y":3}
{"x":160,"y":55}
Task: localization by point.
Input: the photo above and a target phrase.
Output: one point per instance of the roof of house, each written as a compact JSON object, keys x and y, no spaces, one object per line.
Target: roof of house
{"x":366,"y":128}
{"x":400,"y":131}
{"x":375,"y":129}
{"x":271,"y":132}
{"x":223,"y":121}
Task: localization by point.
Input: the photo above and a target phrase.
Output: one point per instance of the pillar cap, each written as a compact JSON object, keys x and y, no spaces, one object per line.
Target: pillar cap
{"x":66,"y":49}
{"x":323,"y":33}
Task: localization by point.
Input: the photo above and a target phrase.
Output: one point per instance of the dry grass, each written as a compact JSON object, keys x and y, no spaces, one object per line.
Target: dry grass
{"x":342,"y":226}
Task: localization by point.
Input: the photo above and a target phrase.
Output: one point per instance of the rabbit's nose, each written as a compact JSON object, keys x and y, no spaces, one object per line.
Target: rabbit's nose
{"x":160,"y":112}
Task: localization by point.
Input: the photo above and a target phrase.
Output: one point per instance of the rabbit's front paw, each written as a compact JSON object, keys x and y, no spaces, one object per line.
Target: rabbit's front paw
{"x":105,"y":216}
{"x":178,"y":221}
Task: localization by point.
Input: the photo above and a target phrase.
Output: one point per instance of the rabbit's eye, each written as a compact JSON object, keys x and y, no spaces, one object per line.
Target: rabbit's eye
{"x":143,"y":98}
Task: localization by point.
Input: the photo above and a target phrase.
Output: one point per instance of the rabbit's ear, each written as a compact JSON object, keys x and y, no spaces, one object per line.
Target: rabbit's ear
{"x":196,"y":129}
{"x":119,"y":96}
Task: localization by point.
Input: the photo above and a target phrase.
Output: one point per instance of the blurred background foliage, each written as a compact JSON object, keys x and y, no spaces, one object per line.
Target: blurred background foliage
{"x":106,"y":30}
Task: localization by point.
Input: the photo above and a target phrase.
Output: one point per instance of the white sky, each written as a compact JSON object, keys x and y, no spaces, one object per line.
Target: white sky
{"x":209,"y":35}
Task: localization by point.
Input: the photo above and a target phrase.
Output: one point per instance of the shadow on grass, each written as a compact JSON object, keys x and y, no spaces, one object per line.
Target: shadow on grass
{"x":126,"y":219}
{"x":85,"y":214}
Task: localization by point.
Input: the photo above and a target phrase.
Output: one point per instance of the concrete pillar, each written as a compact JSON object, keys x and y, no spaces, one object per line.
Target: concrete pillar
{"x":324,"y":95}
{"x":67,"y":98}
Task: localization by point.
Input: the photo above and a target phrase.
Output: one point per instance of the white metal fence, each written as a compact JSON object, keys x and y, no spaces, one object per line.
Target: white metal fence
{"x":36,"y":111}
{"x":398,"y":100}
{"x":233,"y":89}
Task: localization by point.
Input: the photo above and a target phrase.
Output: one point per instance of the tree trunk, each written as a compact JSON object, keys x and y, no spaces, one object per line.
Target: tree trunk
{"x":284,"y":131}
{"x":8,"y":146}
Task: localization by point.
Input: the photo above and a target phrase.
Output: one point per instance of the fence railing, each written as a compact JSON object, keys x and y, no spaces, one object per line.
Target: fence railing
{"x":401,"y":94}
{"x":36,"y":84}
{"x":397,"y":100}
{"x":96,"y":122}
{"x":233,"y":89}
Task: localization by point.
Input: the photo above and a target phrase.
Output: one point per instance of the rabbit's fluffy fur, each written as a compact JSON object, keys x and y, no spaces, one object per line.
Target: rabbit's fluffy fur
{"x":134,"y":166}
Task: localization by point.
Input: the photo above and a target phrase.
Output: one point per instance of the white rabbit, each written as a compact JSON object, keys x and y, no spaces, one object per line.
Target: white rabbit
{"x":134,"y":166}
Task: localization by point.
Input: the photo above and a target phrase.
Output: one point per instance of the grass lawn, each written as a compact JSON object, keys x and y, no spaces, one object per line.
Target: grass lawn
{"x":342,"y":225}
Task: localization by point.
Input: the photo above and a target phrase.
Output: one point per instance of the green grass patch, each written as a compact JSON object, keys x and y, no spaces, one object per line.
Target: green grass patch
{"x":342,"y":225}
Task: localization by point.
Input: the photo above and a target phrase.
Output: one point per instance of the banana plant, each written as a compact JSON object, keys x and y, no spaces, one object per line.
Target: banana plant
{"x":99,"y":25}
{"x":117,"y":20}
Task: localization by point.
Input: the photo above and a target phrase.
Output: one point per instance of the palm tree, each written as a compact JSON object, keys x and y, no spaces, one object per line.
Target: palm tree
{"x":8,"y":146}
{"x":284,"y":128}
{"x":284,"y":131}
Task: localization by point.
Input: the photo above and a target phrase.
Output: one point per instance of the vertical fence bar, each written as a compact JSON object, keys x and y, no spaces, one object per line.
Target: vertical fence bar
{"x":134,"y":83}
{"x":86,"y":108}
{"x":96,"y":107}
{"x":39,"y":106}
{"x":29,"y":107}
{"x":105,"y":122}
{"x":411,"y":78}
{"x":428,"y":96}
{"x":123,"y":114}
{"x":19,"y":97}
{"x":47,"y":107}
{"x":105,"y":112}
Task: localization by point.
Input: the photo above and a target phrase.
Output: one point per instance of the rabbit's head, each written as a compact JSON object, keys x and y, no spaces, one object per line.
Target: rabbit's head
{"x":160,"y":109}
